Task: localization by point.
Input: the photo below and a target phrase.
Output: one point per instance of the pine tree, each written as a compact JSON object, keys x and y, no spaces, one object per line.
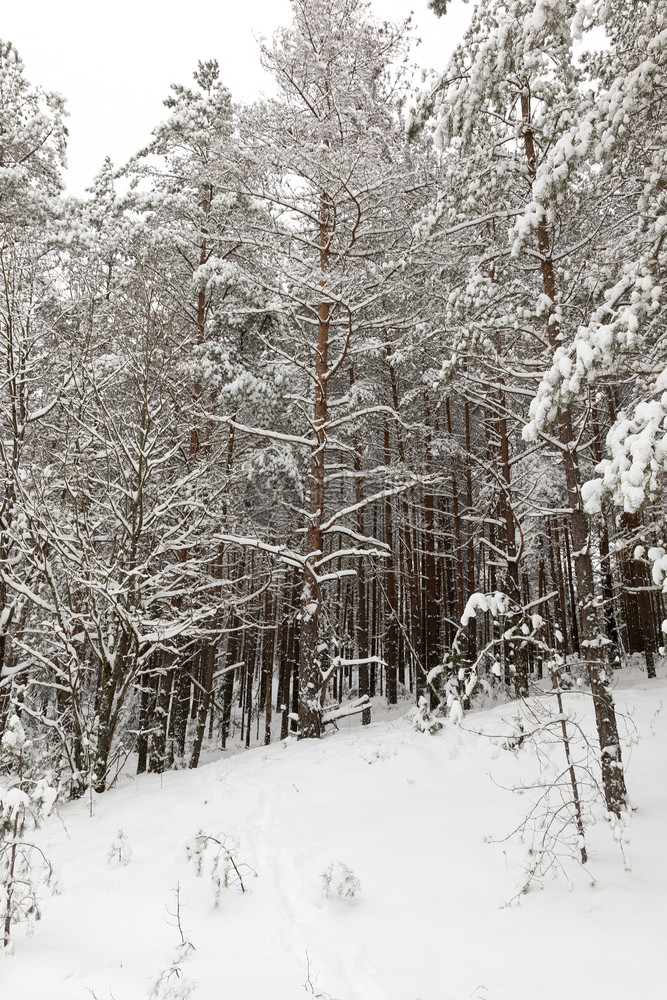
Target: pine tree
{"x":326,"y":161}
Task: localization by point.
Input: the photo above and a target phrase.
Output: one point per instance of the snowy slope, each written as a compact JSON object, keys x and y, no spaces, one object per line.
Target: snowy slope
{"x":408,"y":814}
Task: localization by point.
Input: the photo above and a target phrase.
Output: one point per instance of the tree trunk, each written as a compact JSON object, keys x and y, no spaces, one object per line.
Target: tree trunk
{"x":391,"y":631}
{"x":205,"y":705}
{"x":310,"y":674}
{"x":592,"y":639}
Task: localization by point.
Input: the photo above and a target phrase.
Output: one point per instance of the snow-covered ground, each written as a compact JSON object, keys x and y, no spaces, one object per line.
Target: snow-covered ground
{"x":410,"y":815}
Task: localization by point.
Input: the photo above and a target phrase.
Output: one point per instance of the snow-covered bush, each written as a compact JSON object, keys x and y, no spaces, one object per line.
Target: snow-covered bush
{"x":24,"y":802}
{"x":513,"y":629}
{"x":340,"y":882}
{"x":422,"y":719}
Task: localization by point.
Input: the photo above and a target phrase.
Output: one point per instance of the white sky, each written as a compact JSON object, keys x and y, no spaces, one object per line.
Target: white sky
{"x":113,"y":61}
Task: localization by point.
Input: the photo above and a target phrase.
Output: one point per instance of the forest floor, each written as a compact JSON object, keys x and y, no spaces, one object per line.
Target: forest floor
{"x":419,"y":820}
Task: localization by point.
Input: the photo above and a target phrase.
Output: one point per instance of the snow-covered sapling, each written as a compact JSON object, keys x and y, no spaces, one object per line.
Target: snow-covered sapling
{"x":120,"y":852}
{"x":24,"y":802}
{"x":310,"y":985}
{"x":226,"y":870}
{"x":171,"y":983}
{"x":563,"y":793}
{"x":340,"y":882}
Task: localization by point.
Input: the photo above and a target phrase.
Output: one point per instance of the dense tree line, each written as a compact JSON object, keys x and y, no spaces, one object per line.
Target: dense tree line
{"x":355,"y":391}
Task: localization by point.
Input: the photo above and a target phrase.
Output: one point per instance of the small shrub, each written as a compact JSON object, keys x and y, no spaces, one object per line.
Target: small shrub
{"x":340,"y":882}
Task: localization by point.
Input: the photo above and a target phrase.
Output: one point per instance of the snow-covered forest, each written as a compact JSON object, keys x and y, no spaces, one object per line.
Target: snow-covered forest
{"x":337,"y":423}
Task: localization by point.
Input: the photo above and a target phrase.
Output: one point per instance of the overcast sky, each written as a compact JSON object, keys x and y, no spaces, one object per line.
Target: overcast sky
{"x":113,"y":61}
